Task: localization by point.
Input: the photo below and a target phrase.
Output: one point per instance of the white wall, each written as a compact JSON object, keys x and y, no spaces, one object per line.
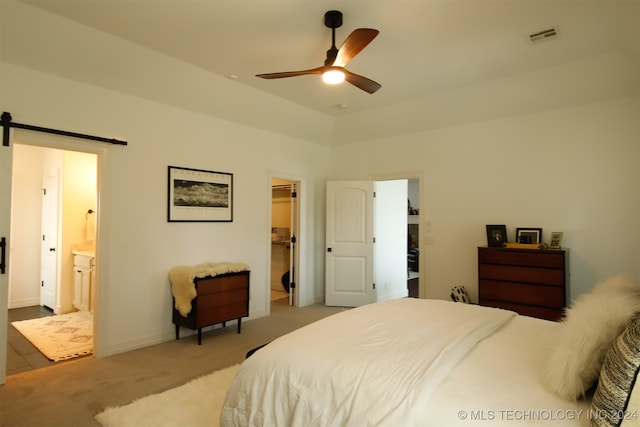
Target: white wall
{"x":573,"y":170}
{"x":137,"y":245}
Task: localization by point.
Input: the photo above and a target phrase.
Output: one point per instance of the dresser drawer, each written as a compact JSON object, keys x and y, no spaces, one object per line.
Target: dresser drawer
{"x":546,"y":276}
{"x":220,"y":299}
{"x":221,"y":283}
{"x":522,"y":293}
{"x":547,"y":313}
{"x":222,"y":314}
{"x":523,"y":257}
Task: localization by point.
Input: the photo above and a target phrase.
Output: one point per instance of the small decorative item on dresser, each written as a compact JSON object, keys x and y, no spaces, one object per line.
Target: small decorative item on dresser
{"x":516,"y":245}
{"x":529,"y":235}
{"x":555,"y":240}
{"x":496,"y":235}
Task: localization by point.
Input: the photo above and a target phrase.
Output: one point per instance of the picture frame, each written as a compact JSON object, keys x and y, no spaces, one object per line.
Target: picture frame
{"x":555,"y":240}
{"x":529,"y":235}
{"x":196,"y":195}
{"x":496,"y":235}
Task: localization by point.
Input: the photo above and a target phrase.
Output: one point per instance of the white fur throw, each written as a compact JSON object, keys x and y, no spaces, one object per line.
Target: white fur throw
{"x":183,"y":288}
{"x":589,"y":329}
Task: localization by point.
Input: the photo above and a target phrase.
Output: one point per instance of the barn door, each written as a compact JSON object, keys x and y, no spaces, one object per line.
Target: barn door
{"x":6,"y":161}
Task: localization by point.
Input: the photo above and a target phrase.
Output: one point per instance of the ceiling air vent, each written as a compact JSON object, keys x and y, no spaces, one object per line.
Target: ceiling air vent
{"x":549,"y":34}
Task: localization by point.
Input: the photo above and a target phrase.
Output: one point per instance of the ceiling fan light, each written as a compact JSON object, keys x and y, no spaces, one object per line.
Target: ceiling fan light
{"x":333,"y":76}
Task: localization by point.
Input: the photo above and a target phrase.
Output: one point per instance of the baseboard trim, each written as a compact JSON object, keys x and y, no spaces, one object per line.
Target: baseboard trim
{"x":21,"y":303}
{"x":137,"y":344}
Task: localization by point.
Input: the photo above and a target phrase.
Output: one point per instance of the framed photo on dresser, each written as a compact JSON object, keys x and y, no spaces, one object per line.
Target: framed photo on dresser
{"x":496,"y":235}
{"x":555,"y":240}
{"x":529,"y":235}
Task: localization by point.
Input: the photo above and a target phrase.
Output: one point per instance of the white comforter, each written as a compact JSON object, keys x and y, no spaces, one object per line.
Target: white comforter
{"x":499,"y":384}
{"x":373,"y":365}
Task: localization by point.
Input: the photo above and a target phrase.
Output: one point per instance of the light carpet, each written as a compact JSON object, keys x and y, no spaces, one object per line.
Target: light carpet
{"x":194,"y":404}
{"x":60,"y":337}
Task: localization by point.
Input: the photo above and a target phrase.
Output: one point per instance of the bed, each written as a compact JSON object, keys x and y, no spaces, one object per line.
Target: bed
{"x":416,"y":362}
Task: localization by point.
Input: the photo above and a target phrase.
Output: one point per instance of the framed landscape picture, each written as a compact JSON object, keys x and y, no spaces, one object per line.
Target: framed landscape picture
{"x":199,"y":196}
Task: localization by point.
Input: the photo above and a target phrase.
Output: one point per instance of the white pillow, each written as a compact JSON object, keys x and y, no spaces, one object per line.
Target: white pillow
{"x":591,"y":325}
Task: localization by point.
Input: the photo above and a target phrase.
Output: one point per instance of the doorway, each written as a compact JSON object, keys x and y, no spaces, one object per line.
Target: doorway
{"x":359,"y":213}
{"x":413,"y":237}
{"x":406,"y":234}
{"x":53,"y":213}
{"x":284,"y":235}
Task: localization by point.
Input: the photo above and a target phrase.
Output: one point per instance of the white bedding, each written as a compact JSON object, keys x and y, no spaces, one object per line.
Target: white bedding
{"x":406,"y":362}
{"x":373,"y":365}
{"x":499,"y":383}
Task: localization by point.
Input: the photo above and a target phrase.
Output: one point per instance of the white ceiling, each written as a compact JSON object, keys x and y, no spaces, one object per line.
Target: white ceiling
{"x":425,"y":48}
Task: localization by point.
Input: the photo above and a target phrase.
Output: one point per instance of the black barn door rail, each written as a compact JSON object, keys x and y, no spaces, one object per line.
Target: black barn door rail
{"x":7,"y":124}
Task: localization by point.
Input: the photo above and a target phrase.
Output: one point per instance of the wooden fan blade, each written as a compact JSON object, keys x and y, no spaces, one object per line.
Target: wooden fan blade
{"x":356,"y":41}
{"x":361,"y":82}
{"x":318,"y":70}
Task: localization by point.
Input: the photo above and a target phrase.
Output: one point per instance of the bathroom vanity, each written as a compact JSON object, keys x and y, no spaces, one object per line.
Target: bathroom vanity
{"x":83,"y":279}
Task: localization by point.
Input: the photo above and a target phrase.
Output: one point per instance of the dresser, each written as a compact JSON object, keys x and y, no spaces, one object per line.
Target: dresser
{"x":219,"y":299}
{"x":531,"y":282}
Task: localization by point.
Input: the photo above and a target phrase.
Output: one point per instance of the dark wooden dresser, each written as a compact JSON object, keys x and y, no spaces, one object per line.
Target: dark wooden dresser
{"x":219,"y":299}
{"x":531,"y":282}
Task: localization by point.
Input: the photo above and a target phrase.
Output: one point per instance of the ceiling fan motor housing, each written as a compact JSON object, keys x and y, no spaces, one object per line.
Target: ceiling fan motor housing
{"x":333,"y":19}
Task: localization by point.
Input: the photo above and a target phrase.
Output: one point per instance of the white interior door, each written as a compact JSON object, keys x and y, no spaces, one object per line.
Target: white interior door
{"x":349,"y":240}
{"x":49,"y":244}
{"x":6,"y":160}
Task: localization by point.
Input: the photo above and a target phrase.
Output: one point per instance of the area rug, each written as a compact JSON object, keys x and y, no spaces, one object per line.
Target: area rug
{"x":59,"y":337}
{"x":194,"y":404}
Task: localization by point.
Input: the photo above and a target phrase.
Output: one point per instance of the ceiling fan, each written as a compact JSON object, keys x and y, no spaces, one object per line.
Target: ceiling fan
{"x":333,"y":70}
